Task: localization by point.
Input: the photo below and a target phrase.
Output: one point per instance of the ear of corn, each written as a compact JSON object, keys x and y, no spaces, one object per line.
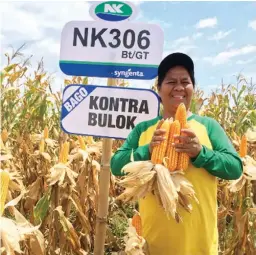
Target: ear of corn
{"x":41,"y":146}
{"x":136,"y":222}
{"x":243,"y":147}
{"x":4,"y":135}
{"x":63,"y":157}
{"x":4,"y":180}
{"x":171,"y":153}
{"x":181,"y":115}
{"x":175,"y":160}
{"x":46,"y":133}
{"x":81,"y":142}
{"x":158,"y":152}
{"x":183,"y":158}
{"x":66,"y":152}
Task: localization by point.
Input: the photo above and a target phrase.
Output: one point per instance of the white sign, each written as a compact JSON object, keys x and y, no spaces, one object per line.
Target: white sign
{"x":113,"y":50}
{"x":106,"y":111}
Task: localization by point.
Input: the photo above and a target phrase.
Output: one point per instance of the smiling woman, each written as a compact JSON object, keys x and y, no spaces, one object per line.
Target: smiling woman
{"x":211,"y":155}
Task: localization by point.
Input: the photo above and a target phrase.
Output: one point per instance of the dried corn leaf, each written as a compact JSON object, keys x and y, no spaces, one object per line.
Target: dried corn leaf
{"x":69,"y":230}
{"x":38,"y":242}
{"x":82,"y":216}
{"x":46,"y":156}
{"x":237,"y":185}
{"x":252,"y":210}
{"x":241,"y":223}
{"x":58,"y":173}
{"x":15,"y":201}
{"x":5,"y":157}
{"x":77,"y":154}
{"x":249,"y":168}
{"x":50,"y":142}
{"x":33,"y":193}
{"x":10,"y":236}
{"x":12,"y":232}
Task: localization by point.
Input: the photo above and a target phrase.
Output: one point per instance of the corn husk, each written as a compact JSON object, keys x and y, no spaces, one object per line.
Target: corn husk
{"x":134,"y":244}
{"x":167,"y":191}
{"x":138,"y":182}
{"x":170,"y":189}
{"x":249,"y":173}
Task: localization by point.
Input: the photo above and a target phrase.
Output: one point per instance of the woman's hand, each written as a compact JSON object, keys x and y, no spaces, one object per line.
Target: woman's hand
{"x":158,"y":136}
{"x":188,"y":143}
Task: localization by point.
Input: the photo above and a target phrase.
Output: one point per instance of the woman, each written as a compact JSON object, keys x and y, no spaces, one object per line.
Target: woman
{"x":211,"y":155}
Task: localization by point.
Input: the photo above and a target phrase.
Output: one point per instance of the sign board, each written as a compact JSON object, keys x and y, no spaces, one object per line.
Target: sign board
{"x":114,"y":11}
{"x":125,"y":50}
{"x":106,"y":111}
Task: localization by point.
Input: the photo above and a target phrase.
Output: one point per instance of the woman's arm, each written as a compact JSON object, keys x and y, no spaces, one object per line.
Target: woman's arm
{"x":222,"y":161}
{"x":123,"y":154}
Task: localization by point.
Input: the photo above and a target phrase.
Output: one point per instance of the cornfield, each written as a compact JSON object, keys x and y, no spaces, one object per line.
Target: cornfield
{"x":53,"y":186}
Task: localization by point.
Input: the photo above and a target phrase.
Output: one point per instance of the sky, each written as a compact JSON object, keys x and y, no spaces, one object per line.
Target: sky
{"x":219,"y":36}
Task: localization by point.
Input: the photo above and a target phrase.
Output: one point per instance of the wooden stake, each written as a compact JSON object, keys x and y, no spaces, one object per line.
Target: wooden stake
{"x":104,"y":182}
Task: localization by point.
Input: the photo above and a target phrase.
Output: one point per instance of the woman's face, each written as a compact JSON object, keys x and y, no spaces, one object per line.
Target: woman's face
{"x":176,"y":88}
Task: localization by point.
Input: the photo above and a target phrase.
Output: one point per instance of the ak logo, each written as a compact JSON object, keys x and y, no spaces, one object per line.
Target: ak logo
{"x":113,"y":11}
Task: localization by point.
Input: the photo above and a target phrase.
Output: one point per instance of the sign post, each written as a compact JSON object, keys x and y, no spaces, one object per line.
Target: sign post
{"x":104,"y":179}
{"x":111,"y":47}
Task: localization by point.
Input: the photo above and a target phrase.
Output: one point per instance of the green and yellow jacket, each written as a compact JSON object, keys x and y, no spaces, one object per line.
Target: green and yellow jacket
{"x":198,"y":234}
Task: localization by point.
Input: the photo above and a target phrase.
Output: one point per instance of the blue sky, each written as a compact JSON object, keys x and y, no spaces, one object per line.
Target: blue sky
{"x":219,"y":36}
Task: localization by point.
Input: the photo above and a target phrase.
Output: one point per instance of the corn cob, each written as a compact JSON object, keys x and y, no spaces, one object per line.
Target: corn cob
{"x":158,"y":152}
{"x":136,"y":222}
{"x":46,"y":133}
{"x":61,"y":154}
{"x":41,"y":146}
{"x":4,"y":180}
{"x":181,"y":115}
{"x":81,"y":142}
{"x":4,"y":135}
{"x":171,"y":153}
{"x":183,"y":158}
{"x":63,"y":157}
{"x":243,"y":147}
{"x":65,"y":152}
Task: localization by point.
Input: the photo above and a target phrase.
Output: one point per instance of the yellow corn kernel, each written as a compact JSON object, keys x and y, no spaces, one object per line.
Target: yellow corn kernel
{"x":243,"y":147}
{"x":4,"y":180}
{"x":171,"y":153}
{"x":181,"y":115}
{"x":4,"y":135}
{"x":183,"y":161}
{"x":81,"y":142}
{"x":158,"y":152}
{"x":46,"y":133}
{"x":136,"y":222}
{"x":41,"y":146}
{"x":66,"y":152}
{"x":183,"y":158}
{"x":63,"y":157}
